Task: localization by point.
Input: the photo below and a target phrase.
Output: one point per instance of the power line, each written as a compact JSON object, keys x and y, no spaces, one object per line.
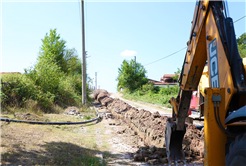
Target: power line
{"x":165,"y":56}
{"x":239,"y":19}
{"x":185,"y":47}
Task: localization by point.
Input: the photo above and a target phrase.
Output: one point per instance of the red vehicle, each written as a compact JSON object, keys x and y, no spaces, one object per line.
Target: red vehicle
{"x":195,"y":106}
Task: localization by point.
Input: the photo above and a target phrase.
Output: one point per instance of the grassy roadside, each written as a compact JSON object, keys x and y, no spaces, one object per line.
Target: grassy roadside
{"x":150,"y":94}
{"x":25,"y":144}
{"x":157,"y":99}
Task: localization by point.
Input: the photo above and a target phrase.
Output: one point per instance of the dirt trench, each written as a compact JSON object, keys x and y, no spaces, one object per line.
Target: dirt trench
{"x":150,"y":128}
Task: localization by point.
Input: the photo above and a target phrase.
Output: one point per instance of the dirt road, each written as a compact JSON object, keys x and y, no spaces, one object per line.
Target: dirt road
{"x":164,"y":111}
{"x":141,"y":105}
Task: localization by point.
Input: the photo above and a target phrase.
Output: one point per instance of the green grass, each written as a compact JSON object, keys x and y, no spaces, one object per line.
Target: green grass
{"x":88,"y":161}
{"x":159,"y":96}
{"x":24,"y":144}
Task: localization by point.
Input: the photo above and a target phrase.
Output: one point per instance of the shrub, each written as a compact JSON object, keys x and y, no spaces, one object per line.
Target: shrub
{"x":18,"y":89}
{"x":155,"y":95}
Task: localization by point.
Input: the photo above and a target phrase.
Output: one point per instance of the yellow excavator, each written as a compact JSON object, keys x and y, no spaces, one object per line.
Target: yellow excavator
{"x":212,"y":41}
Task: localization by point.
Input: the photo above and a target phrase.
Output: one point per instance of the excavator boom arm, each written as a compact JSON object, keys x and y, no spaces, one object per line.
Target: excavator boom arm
{"x":212,"y":40}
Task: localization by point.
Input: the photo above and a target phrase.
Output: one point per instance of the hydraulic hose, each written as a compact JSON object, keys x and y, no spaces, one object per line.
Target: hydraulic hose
{"x":217,"y":118}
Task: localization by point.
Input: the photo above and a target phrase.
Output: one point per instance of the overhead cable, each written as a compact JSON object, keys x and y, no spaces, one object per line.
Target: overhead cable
{"x":166,"y":56}
{"x":185,"y":47}
{"x":239,"y":19}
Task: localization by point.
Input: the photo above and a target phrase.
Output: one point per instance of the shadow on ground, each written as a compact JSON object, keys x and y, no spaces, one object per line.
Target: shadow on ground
{"x":54,"y":153}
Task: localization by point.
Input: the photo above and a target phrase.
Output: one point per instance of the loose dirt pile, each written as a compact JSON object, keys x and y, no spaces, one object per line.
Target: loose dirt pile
{"x":96,"y":92}
{"x":150,"y":127}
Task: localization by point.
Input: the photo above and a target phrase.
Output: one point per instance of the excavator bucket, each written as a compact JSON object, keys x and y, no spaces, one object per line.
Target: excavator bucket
{"x":173,"y":141}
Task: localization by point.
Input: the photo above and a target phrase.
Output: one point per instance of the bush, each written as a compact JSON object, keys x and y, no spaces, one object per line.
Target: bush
{"x":155,"y":95}
{"x":147,"y":87}
{"x":169,"y":90}
{"x":18,"y":89}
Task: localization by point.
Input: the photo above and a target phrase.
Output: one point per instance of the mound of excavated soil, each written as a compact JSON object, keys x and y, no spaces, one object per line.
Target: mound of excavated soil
{"x":100,"y":91}
{"x":103,"y":97}
{"x":96,"y":92}
{"x":150,"y":127}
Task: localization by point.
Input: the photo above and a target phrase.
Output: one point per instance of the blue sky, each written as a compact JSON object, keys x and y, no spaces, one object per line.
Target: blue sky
{"x":147,"y":30}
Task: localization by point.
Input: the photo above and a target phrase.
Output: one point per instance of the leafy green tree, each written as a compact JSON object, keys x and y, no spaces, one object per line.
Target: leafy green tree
{"x":48,"y":73}
{"x":53,"y":46}
{"x":58,"y":71}
{"x":241,"y":43}
{"x":73,"y":64}
{"x":54,"y":60}
{"x":176,"y":77}
{"x":66,"y":59}
{"x":131,"y":75}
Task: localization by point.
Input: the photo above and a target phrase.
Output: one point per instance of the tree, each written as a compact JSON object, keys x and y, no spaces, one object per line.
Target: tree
{"x":176,"y":77}
{"x":57,"y":70}
{"x":241,"y":43}
{"x":53,"y":62}
{"x":66,"y":59}
{"x":73,"y":64}
{"x":131,"y":75}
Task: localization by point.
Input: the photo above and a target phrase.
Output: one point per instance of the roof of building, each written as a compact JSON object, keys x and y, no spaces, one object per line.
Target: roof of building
{"x":165,"y":83}
{"x":153,"y":80}
{"x":169,"y":75}
{"x":9,"y":73}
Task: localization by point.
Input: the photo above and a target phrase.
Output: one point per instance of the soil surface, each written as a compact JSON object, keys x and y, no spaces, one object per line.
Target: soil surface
{"x":125,"y":135}
{"x":141,"y":105}
{"x":125,"y":142}
{"x":144,"y":131}
{"x":151,"y":107}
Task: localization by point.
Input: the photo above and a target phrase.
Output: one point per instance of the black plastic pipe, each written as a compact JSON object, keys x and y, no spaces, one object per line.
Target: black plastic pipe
{"x":51,"y":123}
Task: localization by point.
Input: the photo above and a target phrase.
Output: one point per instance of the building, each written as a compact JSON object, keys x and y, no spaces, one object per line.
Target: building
{"x":154,"y":81}
{"x":4,"y":73}
{"x":165,"y":81}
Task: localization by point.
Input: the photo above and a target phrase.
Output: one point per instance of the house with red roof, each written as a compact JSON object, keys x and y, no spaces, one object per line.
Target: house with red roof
{"x":165,"y":81}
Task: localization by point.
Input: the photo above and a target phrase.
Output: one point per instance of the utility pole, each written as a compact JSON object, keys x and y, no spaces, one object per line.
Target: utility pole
{"x":83,"y":56}
{"x":96,"y":80}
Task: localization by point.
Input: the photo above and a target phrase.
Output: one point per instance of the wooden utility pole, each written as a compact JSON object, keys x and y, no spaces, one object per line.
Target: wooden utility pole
{"x":83,"y":56}
{"x":96,"y":80}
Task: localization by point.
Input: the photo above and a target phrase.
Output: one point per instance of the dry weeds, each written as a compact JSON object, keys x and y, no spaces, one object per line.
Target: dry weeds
{"x":25,"y":144}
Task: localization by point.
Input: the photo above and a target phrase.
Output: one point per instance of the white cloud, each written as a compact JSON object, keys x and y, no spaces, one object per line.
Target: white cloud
{"x":128,"y":53}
